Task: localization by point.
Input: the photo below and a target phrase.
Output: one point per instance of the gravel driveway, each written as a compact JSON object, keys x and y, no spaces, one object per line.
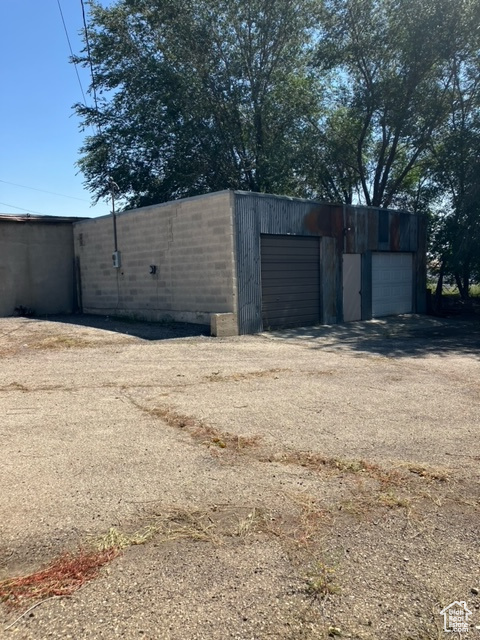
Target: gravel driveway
{"x":299,"y":484}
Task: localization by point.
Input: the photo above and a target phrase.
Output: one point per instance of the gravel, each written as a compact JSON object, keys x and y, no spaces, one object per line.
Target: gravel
{"x":299,"y":481}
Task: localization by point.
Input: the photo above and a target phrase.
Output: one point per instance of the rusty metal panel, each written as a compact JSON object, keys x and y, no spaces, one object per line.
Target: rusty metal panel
{"x":257,"y":214}
{"x":406,"y":220}
{"x":337,"y":226}
{"x":414,"y":237}
{"x":372,"y":216}
{"x":361,"y":235}
{"x":318,"y":221}
{"x":394,"y":231}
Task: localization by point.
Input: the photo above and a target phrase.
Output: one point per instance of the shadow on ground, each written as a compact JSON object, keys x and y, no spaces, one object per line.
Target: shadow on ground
{"x":143,"y":330}
{"x":398,"y":336}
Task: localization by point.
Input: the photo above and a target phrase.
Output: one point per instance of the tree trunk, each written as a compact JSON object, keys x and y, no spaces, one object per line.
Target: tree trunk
{"x":466,"y":282}
{"x":459,"y":283}
{"x":463,"y":283}
{"x":439,"y":288}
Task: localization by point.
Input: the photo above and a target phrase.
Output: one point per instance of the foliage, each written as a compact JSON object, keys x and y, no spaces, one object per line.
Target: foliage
{"x":456,"y":169}
{"x":198,"y":96}
{"x":356,"y":101}
{"x":390,"y":61}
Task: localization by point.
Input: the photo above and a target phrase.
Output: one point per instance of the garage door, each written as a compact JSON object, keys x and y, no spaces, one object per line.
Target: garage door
{"x":392,"y":283}
{"x":290,"y":281}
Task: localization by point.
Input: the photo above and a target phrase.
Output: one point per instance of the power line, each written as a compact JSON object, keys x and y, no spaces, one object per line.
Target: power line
{"x":40,"y":213}
{"x":87,"y":42}
{"x":71,"y":52}
{"x":63,"y":195}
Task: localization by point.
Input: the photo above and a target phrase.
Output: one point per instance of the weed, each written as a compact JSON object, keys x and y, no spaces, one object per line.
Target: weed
{"x":185,"y":524}
{"x":202,"y":432}
{"x":302,"y":527}
{"x":430,"y":473}
{"x":320,"y":581}
{"x":70,"y":571}
{"x":249,"y":524}
{"x":317,"y":462}
{"x":62,"y":577}
{"x":62,"y":342}
{"x":247,"y":375}
{"x":115,"y":539}
{"x":391,"y":500}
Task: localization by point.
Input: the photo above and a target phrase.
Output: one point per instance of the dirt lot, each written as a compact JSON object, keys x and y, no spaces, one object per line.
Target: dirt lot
{"x":298,"y":485}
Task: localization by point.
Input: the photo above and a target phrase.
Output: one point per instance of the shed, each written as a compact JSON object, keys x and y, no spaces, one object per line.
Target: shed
{"x":245,"y":262}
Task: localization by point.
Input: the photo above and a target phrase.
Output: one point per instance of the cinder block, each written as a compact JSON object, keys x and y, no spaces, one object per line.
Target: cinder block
{"x":223,"y":325}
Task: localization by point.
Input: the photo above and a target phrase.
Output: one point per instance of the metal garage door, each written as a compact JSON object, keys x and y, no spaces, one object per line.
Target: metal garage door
{"x":290,"y":281}
{"x":392,"y":283}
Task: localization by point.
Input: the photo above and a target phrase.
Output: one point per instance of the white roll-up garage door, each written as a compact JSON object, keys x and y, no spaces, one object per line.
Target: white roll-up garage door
{"x":392,"y":283}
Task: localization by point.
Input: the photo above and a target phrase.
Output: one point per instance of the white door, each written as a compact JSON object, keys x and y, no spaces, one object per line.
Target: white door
{"x":392,"y":283}
{"x":352,"y":284}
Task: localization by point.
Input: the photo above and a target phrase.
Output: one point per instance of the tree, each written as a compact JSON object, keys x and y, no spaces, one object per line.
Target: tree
{"x":456,"y":170}
{"x":199,"y":95}
{"x":391,"y":77}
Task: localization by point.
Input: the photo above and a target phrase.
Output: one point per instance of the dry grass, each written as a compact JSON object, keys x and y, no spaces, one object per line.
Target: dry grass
{"x":61,"y":342}
{"x":216,"y":376}
{"x":249,"y":524}
{"x":317,"y":462}
{"x":70,"y":571}
{"x":36,"y":337}
{"x":202,"y":432}
{"x":186,"y":524}
{"x":300,"y":526}
{"x":115,"y":539}
{"x":62,"y":577}
{"x":439,"y":474}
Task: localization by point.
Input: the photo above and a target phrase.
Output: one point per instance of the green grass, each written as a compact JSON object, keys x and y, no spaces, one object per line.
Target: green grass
{"x":453,"y":292}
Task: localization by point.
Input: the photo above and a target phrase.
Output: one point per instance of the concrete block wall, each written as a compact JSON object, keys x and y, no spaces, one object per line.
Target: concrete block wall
{"x":189,"y":243}
{"x":36,"y":267}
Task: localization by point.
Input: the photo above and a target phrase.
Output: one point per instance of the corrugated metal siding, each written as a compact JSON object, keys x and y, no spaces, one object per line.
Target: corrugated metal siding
{"x":330,"y":283}
{"x":254,"y":215}
{"x":341,"y":229}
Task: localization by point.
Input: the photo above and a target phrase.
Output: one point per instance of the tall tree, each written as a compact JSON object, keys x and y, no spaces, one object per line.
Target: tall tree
{"x":389,"y":61}
{"x":456,"y":169}
{"x":199,"y":95}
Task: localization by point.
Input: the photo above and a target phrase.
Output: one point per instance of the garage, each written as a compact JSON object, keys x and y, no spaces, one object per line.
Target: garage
{"x":392,"y":284}
{"x":290,"y":272}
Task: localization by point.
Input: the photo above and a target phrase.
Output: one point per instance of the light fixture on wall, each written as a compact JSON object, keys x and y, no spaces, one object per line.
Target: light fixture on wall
{"x":116,"y":253}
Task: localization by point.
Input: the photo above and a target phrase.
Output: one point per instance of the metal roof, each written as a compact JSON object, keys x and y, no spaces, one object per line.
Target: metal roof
{"x":28,"y":217}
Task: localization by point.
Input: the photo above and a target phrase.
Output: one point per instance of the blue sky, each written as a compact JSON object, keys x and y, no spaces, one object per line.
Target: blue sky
{"x":39,"y":132}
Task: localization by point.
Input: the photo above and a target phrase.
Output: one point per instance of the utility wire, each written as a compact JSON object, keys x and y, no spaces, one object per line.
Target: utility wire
{"x":71,"y":52}
{"x":21,"y":209}
{"x":98,"y":125}
{"x":52,"y":193}
{"x":87,"y":42}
